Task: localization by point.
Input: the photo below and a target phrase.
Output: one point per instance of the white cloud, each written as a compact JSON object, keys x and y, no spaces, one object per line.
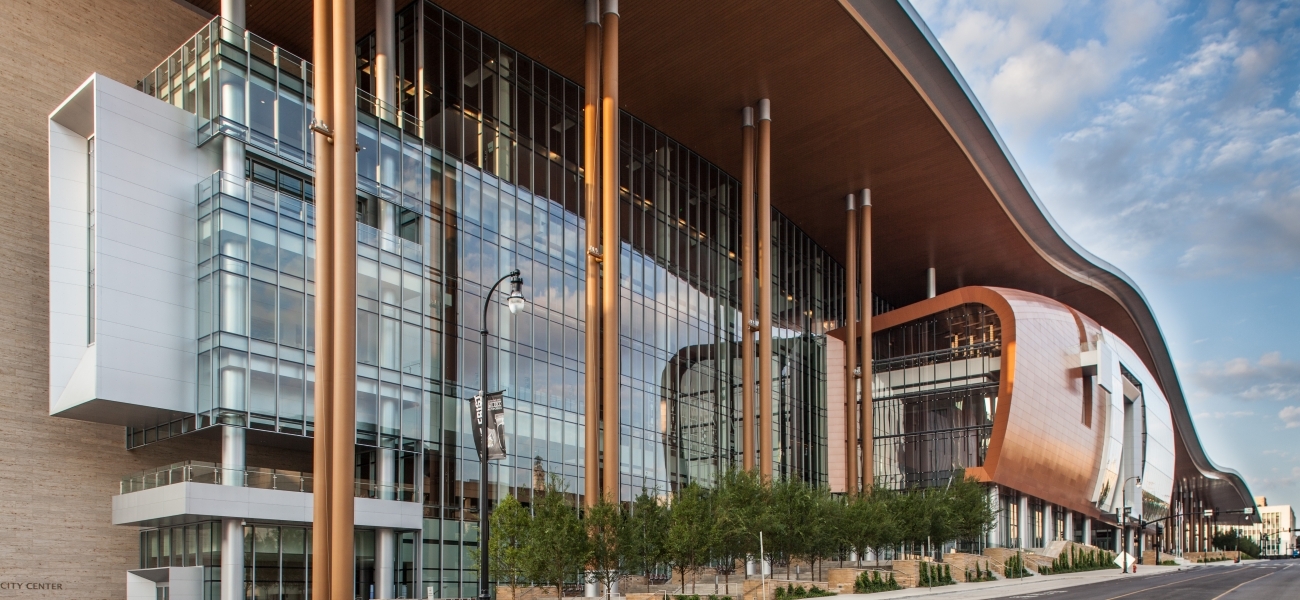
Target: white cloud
{"x":1270,"y":378}
{"x":1291,"y":416}
{"x":1024,"y":77}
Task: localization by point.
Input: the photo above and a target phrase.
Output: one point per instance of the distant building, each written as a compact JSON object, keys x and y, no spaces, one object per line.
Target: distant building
{"x":1275,"y":533}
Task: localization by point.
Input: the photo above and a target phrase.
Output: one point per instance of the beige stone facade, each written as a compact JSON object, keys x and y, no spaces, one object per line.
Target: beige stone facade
{"x":55,"y":522}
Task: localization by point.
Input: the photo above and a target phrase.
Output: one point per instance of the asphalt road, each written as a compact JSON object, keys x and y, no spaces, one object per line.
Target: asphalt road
{"x":1259,"y":581}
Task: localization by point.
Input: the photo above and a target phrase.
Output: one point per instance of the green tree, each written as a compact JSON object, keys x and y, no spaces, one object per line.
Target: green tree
{"x":972,"y":513}
{"x":740,"y":512}
{"x":826,"y":527}
{"x":871,"y":524}
{"x":1230,"y":540}
{"x":647,"y":542}
{"x":912,"y":518}
{"x":557,"y":548}
{"x":937,"y":503}
{"x":509,"y":544}
{"x":607,"y":539}
{"x":790,"y":506}
{"x":690,"y":530}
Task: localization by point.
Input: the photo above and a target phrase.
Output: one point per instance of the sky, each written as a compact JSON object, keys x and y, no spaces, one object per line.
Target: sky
{"x":1164,"y":137}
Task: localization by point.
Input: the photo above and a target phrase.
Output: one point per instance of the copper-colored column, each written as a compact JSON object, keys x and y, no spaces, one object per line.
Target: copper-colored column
{"x":765,"y":285}
{"x":324,"y":317}
{"x":851,"y":352}
{"x":610,"y":244}
{"x":344,"y":313}
{"x":591,"y":194}
{"x":747,"y":286}
{"x":864,"y":416}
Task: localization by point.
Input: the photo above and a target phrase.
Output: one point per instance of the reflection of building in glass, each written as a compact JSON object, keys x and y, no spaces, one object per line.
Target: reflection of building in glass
{"x":935,"y":391}
{"x":185,"y":240}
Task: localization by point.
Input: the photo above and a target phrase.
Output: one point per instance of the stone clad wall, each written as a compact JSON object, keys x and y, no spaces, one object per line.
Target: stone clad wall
{"x":55,"y":513}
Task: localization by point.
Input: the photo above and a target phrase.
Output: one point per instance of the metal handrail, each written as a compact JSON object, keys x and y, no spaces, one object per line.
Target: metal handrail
{"x":196,"y":471}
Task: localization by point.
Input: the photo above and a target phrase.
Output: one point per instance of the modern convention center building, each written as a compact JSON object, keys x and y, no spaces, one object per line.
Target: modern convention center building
{"x":289,"y":242}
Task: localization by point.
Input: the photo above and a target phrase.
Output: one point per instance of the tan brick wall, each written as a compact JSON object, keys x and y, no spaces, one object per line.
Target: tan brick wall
{"x":58,"y":475}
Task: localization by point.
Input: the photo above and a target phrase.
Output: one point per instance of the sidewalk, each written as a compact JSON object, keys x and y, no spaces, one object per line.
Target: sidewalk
{"x":1008,"y":587}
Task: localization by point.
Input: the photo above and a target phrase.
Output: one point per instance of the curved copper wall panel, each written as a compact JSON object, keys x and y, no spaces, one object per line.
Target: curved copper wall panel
{"x":1047,"y":436}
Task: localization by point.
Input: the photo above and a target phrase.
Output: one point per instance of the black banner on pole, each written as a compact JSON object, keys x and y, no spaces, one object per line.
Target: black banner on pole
{"x":496,"y":426}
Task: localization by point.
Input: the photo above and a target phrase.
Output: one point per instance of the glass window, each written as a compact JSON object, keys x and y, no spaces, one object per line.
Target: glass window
{"x":232,"y":104}
{"x":233,"y":237}
{"x":291,"y":253}
{"x":389,"y":161}
{"x":262,"y":321}
{"x":368,"y":154}
{"x":291,"y":318}
{"x":291,"y":391}
{"x":367,"y":404}
{"x":264,"y":245}
{"x":389,"y":343}
{"x":411,"y":339}
{"x":411,"y":170}
{"x":234,"y":299}
{"x":490,"y":207}
{"x":367,"y":278}
{"x":291,"y":120}
{"x":367,"y":338}
{"x":390,"y":286}
{"x":411,"y":297}
{"x":262,"y":384}
{"x":232,"y":369}
{"x":205,"y":306}
{"x":205,"y":238}
{"x":261,"y":106}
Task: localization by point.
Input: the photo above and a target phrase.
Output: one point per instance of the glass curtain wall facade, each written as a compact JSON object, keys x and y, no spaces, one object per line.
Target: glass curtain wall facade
{"x":935,"y":392}
{"x":474,"y":174}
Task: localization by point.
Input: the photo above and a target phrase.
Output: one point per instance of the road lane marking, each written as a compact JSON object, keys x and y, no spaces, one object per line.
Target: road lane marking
{"x":1160,"y":586}
{"x":1245,"y":582}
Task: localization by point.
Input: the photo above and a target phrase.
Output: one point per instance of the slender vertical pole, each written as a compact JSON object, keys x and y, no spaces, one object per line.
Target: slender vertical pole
{"x":233,"y":465}
{"x":385,"y":56}
{"x":747,"y":286}
{"x":865,"y":441}
{"x":591,"y":194}
{"x":344,"y":123}
{"x":232,"y":436}
{"x":323,"y":434}
{"x":851,"y":351}
{"x":610,"y":243}
{"x":765,"y":285}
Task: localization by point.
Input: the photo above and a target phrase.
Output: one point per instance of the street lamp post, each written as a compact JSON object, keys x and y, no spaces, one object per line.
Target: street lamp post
{"x":1124,"y":512}
{"x":515,"y":302}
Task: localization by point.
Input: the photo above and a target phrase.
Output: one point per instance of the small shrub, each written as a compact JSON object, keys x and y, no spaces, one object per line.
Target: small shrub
{"x":979,"y":574}
{"x":869,"y":582}
{"x":1015,"y":567}
{"x":797,"y":592}
{"x":931,"y":575}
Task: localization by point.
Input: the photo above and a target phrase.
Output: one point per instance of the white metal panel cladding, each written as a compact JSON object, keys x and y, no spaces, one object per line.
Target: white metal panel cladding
{"x":145,"y":168}
{"x":1107,"y":492}
{"x":1158,"y":468}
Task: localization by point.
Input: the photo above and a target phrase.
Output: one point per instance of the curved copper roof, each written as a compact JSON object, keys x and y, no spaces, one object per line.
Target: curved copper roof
{"x":862,"y":96}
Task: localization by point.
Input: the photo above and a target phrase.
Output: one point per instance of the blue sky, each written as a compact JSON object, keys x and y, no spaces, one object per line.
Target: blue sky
{"x":1164,"y":136}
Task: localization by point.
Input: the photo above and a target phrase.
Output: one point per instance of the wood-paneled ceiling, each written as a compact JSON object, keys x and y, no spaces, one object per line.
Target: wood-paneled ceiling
{"x":844,"y":118}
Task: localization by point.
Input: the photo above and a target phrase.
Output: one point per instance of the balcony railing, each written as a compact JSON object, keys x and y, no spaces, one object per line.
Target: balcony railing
{"x":194,"y":471}
{"x":242,"y":86}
